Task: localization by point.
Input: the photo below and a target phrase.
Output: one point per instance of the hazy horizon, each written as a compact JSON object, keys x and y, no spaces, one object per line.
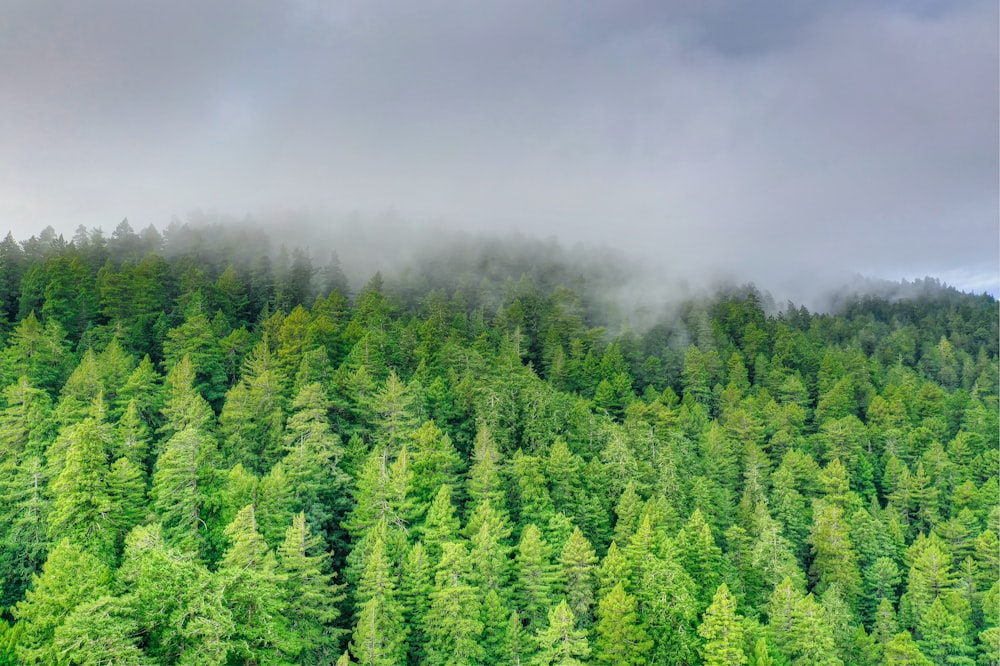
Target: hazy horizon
{"x":792,"y":147}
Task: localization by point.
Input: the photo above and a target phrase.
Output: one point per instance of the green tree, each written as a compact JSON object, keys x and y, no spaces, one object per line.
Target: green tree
{"x":70,"y":577}
{"x":254,"y":594}
{"x":379,"y":637}
{"x":561,"y":642}
{"x":82,"y":501}
{"x":579,"y":567}
{"x":182,"y":489}
{"x":311,"y":596}
{"x":453,"y":625}
{"x":535,"y":577}
{"x":722,"y":631}
{"x":621,"y":638}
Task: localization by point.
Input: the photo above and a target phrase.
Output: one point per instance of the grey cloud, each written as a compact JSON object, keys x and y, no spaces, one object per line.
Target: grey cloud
{"x":773,"y":142}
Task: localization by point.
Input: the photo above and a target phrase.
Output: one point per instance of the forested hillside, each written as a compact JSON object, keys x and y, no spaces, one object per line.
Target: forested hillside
{"x":217,"y":452}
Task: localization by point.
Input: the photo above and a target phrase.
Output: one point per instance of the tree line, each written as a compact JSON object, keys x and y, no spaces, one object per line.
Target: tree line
{"x":214,"y":452}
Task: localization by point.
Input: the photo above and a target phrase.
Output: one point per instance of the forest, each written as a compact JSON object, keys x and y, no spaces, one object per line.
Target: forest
{"x":219,"y":451}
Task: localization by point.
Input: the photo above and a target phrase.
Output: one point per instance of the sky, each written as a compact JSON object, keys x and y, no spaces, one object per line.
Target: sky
{"x":783,"y":142}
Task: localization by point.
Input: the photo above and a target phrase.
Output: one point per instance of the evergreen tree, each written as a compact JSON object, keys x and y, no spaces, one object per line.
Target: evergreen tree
{"x":578,"y":562}
{"x":722,"y":631}
{"x":535,"y":578}
{"x":254,"y":594}
{"x":621,"y":638}
{"x":311,"y":597}
{"x":560,"y":642}
{"x":453,"y":625}
{"x":379,"y":637}
{"x":82,"y":501}
{"x":70,"y":577}
{"x":182,"y":488}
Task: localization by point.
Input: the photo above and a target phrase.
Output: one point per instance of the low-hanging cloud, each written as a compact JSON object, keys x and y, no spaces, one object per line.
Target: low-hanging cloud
{"x":780,"y":143}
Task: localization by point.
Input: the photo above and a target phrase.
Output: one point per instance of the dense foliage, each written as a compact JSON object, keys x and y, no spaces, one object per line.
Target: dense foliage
{"x":215,"y":455}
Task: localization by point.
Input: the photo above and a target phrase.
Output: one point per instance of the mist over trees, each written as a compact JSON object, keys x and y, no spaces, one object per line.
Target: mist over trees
{"x":217,"y":449}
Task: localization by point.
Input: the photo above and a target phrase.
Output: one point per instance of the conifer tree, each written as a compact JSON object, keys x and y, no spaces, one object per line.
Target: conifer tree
{"x":835,"y":558}
{"x":493,"y":615}
{"x":579,"y":567}
{"x":614,"y":570}
{"x":433,"y":462}
{"x":26,"y":424}
{"x":944,"y":638}
{"x":82,"y":502}
{"x":484,"y":482}
{"x":254,"y":593}
{"x":561,"y":642}
{"x":127,"y":495}
{"x":415,"y":588}
{"x":621,"y":638}
{"x":313,"y":464}
{"x":902,"y":651}
{"x":394,"y":407}
{"x":311,"y":596}
{"x":535,"y":578}
{"x":628,"y":509}
{"x":702,"y":559}
{"x":183,"y":406}
{"x":441,"y":525}
{"x":25,"y":507}
{"x":453,"y":625}
{"x":722,"y":631}
{"x":71,"y":576}
{"x":489,"y":557}
{"x":182,"y":487}
{"x":379,"y":637}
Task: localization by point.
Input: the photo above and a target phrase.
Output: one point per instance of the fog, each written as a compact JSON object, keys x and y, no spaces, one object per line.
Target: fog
{"x":790,"y":144}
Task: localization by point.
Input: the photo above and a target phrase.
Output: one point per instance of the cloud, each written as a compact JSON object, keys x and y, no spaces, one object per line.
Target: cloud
{"x":778,"y":145}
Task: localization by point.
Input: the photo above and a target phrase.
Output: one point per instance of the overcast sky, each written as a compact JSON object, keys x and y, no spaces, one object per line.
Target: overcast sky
{"x":774,"y":141}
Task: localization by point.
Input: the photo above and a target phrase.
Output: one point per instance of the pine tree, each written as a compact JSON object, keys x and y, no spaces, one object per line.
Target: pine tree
{"x":416,"y":585}
{"x":628,"y":509}
{"x":489,"y":556}
{"x":578,"y":562}
{"x":902,"y":651}
{"x":26,"y":424}
{"x":493,"y":615}
{"x":621,"y":638}
{"x":614,"y":571}
{"x":127,"y":495}
{"x":71,"y":576}
{"x":82,"y":502}
{"x":182,"y":488}
{"x":722,"y":631}
{"x":394,"y":408}
{"x":702,"y":559}
{"x":275,"y":505}
{"x":253,"y":417}
{"x":25,"y":507}
{"x":944,"y":638}
{"x":311,"y":597}
{"x":434,"y":462}
{"x":484,"y":482}
{"x":453,"y":625}
{"x":560,"y":642}
{"x":835,"y":558}
{"x":184,"y":408}
{"x":441,"y":525}
{"x":162,"y":582}
{"x":254,"y":593}
{"x":133,"y":437}
{"x":535,"y":578}
{"x":313,"y":464}
{"x":379,"y":637}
